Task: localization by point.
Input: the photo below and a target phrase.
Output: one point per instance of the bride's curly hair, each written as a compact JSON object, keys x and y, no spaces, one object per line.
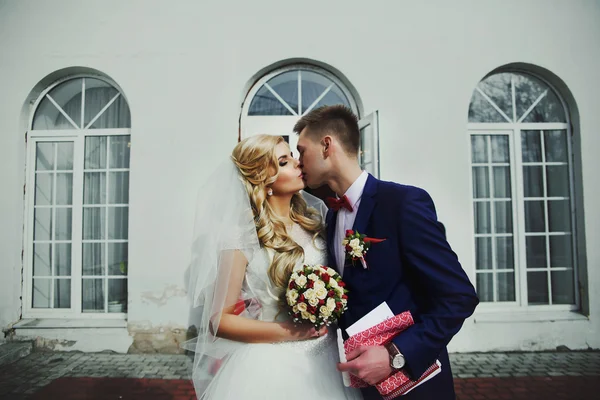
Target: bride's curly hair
{"x":257,"y":162}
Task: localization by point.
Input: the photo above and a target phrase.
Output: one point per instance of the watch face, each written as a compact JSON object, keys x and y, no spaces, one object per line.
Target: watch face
{"x":398,"y":361}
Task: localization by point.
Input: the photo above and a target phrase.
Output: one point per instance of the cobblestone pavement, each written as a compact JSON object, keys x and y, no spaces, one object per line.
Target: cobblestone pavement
{"x":479,"y":376}
{"x":503,"y":365}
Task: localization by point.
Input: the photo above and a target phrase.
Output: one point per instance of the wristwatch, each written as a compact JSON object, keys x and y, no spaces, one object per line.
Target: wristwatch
{"x":397,"y":360}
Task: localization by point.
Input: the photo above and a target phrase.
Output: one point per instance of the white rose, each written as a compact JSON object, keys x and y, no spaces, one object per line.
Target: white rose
{"x":324,"y":311}
{"x":344,"y":242}
{"x":313,"y":277}
{"x":294,"y":275}
{"x":321,"y":293}
{"x":301,"y":281}
{"x":331,"y":304}
{"x":357,"y":252}
{"x":331,"y":271}
{"x":319,"y":285}
{"x":313,"y":301}
{"x":344,"y":302}
{"x":354,"y":243}
{"x":310,"y":294}
{"x":302,"y":307}
{"x":295,"y":309}
{"x":313,"y":319}
{"x":306,"y":315}
{"x":292,"y":295}
{"x":333,"y":283}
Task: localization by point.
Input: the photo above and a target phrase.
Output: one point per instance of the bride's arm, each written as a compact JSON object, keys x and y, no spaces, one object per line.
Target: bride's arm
{"x":241,"y":329}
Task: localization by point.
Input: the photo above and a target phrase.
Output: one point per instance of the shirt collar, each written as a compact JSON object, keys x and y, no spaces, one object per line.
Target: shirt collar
{"x":355,"y":191}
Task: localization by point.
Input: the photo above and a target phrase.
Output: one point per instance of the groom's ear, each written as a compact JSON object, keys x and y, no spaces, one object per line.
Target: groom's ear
{"x":326,"y":143}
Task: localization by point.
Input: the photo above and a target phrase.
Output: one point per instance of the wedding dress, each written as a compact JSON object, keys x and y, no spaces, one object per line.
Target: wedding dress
{"x":288,"y":370}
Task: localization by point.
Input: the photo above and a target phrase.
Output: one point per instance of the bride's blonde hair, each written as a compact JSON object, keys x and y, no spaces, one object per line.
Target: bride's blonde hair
{"x":257,"y":162}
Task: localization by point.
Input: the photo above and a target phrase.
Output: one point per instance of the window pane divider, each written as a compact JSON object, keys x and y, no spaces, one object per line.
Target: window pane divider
{"x":82,"y":102}
{"x":106,"y":225}
{"x":59,"y":134}
{"x":102,"y":111}
{"x":570,"y":162}
{"x":104,"y":240}
{"x":519,"y":219}
{"x":544,"y":164}
{"x":492,"y":221}
{"x":318,"y":99}
{"x":47,"y":206}
{"x":546,"y":213}
{"x":53,"y":229}
{"x":299,"y":91}
{"x":107,"y":170}
{"x":281,"y":100}
{"x":488,"y":199}
{"x":76,"y":249}
{"x":531,"y":107}
{"x":484,"y":235}
{"x":544,"y":198}
{"x":493,"y":104}
{"x":547,"y":233}
{"x":499,"y":128}
{"x":106,"y":205}
{"x":52,"y":277}
{"x":62,"y":111}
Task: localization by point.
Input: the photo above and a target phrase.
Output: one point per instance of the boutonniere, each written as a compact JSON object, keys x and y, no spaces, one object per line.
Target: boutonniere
{"x":356,"y":246}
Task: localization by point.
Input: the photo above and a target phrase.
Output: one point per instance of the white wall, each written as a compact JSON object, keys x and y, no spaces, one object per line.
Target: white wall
{"x":183,"y":66}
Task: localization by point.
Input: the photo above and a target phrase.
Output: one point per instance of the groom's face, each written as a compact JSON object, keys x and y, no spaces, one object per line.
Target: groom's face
{"x":312,"y":160}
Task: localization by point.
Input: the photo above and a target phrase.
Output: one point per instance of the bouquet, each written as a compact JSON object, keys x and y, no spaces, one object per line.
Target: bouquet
{"x":316,"y":295}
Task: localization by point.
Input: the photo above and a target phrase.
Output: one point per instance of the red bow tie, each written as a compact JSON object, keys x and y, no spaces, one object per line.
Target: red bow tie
{"x":336,"y":204}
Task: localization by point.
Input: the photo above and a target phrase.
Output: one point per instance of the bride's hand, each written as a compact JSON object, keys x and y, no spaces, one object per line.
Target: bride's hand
{"x":303,"y":332}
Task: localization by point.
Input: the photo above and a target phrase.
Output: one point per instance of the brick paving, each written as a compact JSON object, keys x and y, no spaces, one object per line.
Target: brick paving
{"x":116,"y":388}
{"x":504,"y":365}
{"x":519,"y":376}
{"x":529,"y":388}
{"x":39,"y":369}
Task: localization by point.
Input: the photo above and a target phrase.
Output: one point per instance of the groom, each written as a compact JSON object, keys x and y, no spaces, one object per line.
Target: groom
{"x":414,"y":269}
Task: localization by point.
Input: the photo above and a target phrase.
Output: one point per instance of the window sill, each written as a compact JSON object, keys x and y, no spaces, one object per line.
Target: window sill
{"x":528,"y":316}
{"x":59,"y":323}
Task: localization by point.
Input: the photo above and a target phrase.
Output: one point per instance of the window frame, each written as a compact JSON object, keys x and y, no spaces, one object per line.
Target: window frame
{"x":514,"y":130}
{"x":294,"y":67}
{"x":78,"y":137}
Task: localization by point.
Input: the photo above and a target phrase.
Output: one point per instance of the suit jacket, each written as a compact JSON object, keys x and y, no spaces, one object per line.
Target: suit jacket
{"x":413,"y":269}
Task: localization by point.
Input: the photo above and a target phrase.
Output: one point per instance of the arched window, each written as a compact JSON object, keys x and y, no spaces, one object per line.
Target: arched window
{"x":522,"y":180}
{"x":297,"y":91}
{"x":278,"y":100}
{"x":77,"y":201}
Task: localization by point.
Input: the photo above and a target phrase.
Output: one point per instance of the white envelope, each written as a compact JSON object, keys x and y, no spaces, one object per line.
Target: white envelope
{"x":376,"y":316}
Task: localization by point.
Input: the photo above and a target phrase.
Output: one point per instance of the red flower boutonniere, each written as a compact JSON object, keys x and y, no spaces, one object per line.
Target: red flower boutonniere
{"x":356,"y":246}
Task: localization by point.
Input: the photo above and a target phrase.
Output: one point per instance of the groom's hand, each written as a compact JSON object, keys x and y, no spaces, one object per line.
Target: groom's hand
{"x":370,"y":364}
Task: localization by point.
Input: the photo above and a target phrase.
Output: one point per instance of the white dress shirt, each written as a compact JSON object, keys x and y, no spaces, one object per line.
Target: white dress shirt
{"x":345,"y":219}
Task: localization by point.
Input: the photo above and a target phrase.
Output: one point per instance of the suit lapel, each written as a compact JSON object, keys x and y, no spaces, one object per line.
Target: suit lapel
{"x":330,"y":220}
{"x":367,"y":204}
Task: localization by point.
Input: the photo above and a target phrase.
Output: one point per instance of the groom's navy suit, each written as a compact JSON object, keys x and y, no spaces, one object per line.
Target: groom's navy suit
{"x":413,"y":269}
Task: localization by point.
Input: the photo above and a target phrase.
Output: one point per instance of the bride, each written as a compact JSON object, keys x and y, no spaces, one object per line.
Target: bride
{"x":254,"y":227}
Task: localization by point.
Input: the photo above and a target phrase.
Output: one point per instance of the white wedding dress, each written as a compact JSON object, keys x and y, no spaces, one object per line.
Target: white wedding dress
{"x":290,"y":370}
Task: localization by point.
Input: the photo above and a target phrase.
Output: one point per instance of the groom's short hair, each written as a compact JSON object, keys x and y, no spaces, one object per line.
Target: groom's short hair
{"x":337,"y":120}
